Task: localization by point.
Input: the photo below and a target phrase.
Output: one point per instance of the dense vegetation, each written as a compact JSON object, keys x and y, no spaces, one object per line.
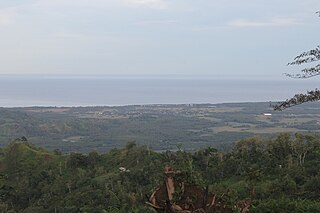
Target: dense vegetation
{"x":280,"y":175}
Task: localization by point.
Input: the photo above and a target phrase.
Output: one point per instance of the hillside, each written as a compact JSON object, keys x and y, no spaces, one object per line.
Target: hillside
{"x":280,"y":175}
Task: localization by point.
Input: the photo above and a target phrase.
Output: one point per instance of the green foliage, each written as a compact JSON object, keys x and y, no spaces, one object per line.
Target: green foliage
{"x":286,"y":205}
{"x":280,"y":175}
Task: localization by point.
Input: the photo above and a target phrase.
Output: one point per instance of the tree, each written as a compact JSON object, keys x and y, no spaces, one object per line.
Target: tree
{"x":307,"y":57}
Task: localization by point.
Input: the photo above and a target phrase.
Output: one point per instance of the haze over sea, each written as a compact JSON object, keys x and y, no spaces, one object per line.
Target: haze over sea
{"x":110,"y":90}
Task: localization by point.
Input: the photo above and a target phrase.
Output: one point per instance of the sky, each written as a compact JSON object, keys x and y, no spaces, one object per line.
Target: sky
{"x":229,"y":38}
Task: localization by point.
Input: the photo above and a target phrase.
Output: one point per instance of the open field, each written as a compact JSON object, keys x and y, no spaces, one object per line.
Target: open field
{"x":255,"y":130}
{"x":162,"y":127}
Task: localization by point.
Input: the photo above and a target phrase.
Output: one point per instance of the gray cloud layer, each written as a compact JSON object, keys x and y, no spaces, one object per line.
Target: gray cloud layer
{"x":153,"y":37}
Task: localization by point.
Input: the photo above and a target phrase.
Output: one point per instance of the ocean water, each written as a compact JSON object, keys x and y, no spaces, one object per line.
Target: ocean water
{"x":110,"y":91}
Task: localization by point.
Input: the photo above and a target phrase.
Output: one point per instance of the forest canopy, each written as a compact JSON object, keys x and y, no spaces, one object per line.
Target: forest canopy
{"x":280,"y":175}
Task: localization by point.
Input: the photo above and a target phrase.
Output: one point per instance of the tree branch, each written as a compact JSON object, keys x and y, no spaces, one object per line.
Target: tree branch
{"x":306,"y":73}
{"x":311,"y":96}
{"x":307,"y":57}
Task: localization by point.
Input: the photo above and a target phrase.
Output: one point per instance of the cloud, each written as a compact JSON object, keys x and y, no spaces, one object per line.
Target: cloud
{"x":7,"y":16}
{"x":275,"y":22}
{"x":64,"y":5}
{"x":206,"y":28}
{"x":156,"y":22}
{"x":68,"y":35}
{"x":156,"y":4}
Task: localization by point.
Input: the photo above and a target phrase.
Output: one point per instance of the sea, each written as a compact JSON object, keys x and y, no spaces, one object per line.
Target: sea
{"x":16,"y":91}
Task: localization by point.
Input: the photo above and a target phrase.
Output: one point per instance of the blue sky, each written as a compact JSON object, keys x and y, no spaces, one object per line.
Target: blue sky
{"x":229,"y":38}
